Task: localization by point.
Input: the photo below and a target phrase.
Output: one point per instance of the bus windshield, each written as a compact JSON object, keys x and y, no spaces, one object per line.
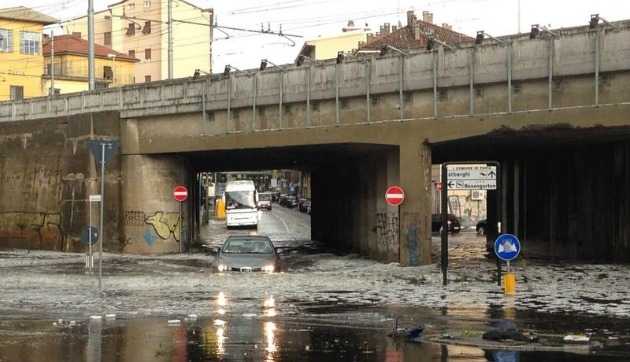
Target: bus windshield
{"x":240,"y":200}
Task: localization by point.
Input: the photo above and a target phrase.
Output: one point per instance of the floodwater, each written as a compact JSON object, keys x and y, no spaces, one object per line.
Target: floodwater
{"x":261,"y":336}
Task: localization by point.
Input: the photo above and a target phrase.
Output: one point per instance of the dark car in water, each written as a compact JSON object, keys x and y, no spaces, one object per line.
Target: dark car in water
{"x":482,"y":227}
{"x":453,"y":223}
{"x":247,"y":253}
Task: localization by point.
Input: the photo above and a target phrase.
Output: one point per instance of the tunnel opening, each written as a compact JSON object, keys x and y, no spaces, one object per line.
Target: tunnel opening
{"x":342,"y":183}
{"x":564,"y":190}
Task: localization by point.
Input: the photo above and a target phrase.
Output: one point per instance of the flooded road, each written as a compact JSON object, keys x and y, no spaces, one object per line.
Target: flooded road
{"x":231,"y":338}
{"x":325,"y":307}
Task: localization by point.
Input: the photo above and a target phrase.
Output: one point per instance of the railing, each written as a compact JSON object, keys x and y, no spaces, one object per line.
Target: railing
{"x":571,"y":52}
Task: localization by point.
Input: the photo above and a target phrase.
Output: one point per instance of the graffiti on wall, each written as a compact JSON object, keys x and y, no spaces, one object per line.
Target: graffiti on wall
{"x":387,"y":230}
{"x":159,"y":225}
{"x":44,"y":227}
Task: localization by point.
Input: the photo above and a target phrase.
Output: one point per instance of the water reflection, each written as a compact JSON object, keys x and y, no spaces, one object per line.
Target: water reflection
{"x":234,"y":338}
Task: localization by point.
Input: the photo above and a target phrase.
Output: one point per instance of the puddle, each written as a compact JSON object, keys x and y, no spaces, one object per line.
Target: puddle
{"x":236,"y":338}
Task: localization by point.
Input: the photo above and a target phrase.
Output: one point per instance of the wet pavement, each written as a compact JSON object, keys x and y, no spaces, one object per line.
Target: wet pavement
{"x":325,"y":307}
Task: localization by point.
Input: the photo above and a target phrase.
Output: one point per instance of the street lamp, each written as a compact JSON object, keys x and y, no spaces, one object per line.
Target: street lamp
{"x":265,"y":62}
{"x":481,"y":35}
{"x":228,"y":69}
{"x":113,"y":56}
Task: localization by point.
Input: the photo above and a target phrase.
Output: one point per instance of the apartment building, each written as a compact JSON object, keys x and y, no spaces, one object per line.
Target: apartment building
{"x":70,"y":62}
{"x":139,"y":28}
{"x":21,"y":59}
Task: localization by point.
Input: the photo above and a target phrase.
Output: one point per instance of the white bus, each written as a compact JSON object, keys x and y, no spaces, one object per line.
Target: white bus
{"x":241,"y":204}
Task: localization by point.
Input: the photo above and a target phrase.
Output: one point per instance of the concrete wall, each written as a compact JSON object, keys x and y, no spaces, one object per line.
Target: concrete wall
{"x":151,"y":221}
{"x":46,"y":175}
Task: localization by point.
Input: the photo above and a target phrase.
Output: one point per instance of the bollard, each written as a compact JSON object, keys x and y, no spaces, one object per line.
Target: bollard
{"x":509,"y":283}
{"x":220,"y":212}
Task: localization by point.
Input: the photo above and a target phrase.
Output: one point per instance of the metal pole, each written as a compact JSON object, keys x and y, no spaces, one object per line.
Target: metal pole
{"x":518,"y":14}
{"x":308,"y":95}
{"x":368,"y":82}
{"x":101,"y":233}
{"x":255,"y":87}
{"x":337,"y":116}
{"x":180,"y":228}
{"x":91,"y":76}
{"x":509,"y":75}
{"x":597,"y":60}
{"x":401,"y":96}
{"x":281,"y":98}
{"x":170,"y":39}
{"x":498,"y":213}
{"x":435,"y":85}
{"x":471,"y":96}
{"x":229,"y":102}
{"x":210,"y":38}
{"x":89,"y":258}
{"x":550,"y":85}
{"x":444,"y":207}
{"x":52,"y":63}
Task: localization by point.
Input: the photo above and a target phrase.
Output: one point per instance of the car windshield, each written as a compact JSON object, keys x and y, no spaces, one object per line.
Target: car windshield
{"x":240,"y":200}
{"x":264,"y":197}
{"x":247,"y":246}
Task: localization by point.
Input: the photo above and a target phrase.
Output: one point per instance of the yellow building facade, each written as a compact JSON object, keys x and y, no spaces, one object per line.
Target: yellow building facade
{"x":70,"y":73}
{"x":21,"y":59}
{"x":328,"y":47}
{"x":139,"y":29}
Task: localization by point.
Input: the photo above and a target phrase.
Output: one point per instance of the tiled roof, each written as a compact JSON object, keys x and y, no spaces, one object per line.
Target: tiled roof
{"x":405,"y":37}
{"x":25,"y":14}
{"x":72,"y":44}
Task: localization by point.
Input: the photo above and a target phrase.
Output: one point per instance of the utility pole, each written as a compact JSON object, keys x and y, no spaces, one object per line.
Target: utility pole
{"x":170,"y":39}
{"x":51,"y":92}
{"x":92,"y":83}
{"x":519,"y":16}
{"x":211,"y":23}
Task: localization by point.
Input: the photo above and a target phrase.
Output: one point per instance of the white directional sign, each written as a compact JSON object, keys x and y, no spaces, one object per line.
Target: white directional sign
{"x":472,"y":177}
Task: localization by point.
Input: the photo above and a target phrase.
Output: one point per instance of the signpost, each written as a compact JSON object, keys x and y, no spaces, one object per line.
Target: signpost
{"x":395,"y":195}
{"x":473,"y":175}
{"x":507,"y":247}
{"x":180,"y":194}
{"x":103,"y":152}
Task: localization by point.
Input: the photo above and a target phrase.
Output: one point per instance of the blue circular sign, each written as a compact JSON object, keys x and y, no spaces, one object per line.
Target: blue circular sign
{"x":90,"y":233}
{"x":507,"y":247}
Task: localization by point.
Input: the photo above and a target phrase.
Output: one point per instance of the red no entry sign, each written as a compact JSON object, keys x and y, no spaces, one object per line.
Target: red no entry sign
{"x":180,"y":193}
{"x":395,"y":195}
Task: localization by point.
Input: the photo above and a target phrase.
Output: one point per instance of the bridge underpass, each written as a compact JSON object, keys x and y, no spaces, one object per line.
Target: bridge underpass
{"x":348,"y":182}
{"x":411,"y":106}
{"x":564,"y":191}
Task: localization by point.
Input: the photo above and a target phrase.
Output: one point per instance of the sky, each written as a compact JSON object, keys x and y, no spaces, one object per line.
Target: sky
{"x":313,"y":18}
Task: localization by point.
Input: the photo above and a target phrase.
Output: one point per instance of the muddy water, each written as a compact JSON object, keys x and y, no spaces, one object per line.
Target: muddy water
{"x":244,"y":337}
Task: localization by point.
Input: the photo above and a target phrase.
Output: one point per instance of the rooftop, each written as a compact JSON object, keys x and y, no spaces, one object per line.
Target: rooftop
{"x":73,"y":44}
{"x":25,"y":14}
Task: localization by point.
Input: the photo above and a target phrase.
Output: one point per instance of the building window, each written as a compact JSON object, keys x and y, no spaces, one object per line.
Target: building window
{"x":107,"y":38}
{"x":30,"y":43}
{"x":17,"y":92}
{"x":147,"y":28}
{"x":107,"y":73}
{"x":132,"y":53}
{"x":6,"y":40}
{"x":147,"y":78}
{"x":132,"y":5}
{"x":131,"y":29}
{"x":147,"y":54}
{"x":147,"y":3}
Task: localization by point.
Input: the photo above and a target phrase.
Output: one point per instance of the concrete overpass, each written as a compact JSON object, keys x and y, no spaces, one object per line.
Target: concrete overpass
{"x":554,"y":110}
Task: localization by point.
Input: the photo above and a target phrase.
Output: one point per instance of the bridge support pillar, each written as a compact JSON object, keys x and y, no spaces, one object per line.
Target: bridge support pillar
{"x":150,"y":216}
{"x":415,"y":212}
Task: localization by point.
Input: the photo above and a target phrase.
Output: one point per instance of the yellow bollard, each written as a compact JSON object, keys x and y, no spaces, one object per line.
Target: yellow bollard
{"x":220,"y":210}
{"x":509,"y":283}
